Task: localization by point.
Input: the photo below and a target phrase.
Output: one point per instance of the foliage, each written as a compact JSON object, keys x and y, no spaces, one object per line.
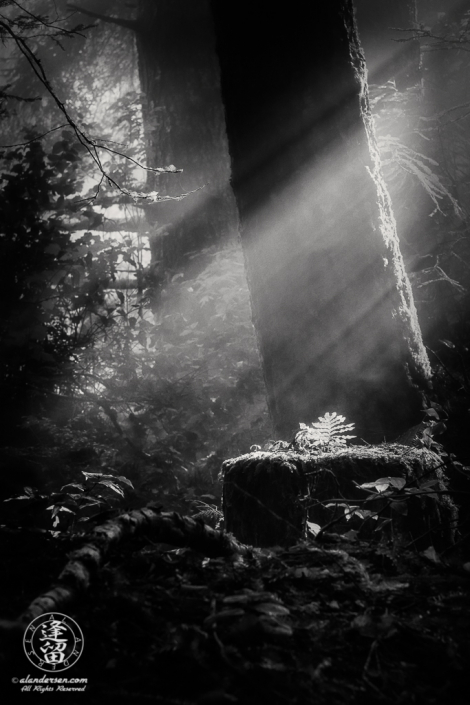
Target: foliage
{"x":209,"y":514}
{"x":94,"y":493}
{"x":39,"y":269}
{"x":173,"y":392}
{"x":86,"y":357}
{"x":329,"y":434}
{"x":54,"y":281}
{"x":186,"y":382}
{"x":396,"y":624}
{"x":36,"y":41}
{"x":158,"y":370}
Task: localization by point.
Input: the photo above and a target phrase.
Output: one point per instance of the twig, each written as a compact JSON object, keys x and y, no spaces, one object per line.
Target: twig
{"x":35,"y":139}
{"x":90,"y":145}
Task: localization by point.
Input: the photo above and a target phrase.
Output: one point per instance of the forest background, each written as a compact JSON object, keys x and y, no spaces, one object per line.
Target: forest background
{"x":129,"y":366}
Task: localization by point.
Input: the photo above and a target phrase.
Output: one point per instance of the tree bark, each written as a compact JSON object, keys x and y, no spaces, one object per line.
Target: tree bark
{"x":184,"y":125}
{"x":332,"y":304}
{"x":388,"y":57}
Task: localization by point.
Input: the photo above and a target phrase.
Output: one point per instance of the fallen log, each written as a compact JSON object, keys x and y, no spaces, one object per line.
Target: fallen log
{"x":85,"y":562}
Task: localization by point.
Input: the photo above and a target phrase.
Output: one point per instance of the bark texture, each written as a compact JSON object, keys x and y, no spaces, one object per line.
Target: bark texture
{"x":388,"y":57}
{"x":184,"y":125}
{"x":262,"y":499}
{"x":331,"y":301}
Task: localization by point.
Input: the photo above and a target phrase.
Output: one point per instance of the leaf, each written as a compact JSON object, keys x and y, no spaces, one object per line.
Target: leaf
{"x":438,"y":428}
{"x":56,"y":508}
{"x":126,"y":481}
{"x":112,"y":486}
{"x":428,"y":484}
{"x":351,"y":535}
{"x":431,"y":555}
{"x":128,"y":258}
{"x":271,"y":608}
{"x":274,"y":628}
{"x":384,"y":483}
{"x":75,"y":486}
{"x":381,"y":523}
{"x":314,"y":528}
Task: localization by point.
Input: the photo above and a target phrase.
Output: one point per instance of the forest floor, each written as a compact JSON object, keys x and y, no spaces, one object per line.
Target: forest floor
{"x":343,"y":621}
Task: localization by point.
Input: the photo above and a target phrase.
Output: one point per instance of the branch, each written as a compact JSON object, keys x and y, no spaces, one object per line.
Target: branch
{"x":43,"y":21}
{"x":39,"y":137}
{"x":85,"y":562}
{"x":426,"y":34}
{"x":90,"y":145}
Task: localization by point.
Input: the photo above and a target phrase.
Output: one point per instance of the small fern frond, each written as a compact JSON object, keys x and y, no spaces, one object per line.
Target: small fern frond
{"x":330,"y":432}
{"x":209,"y":513}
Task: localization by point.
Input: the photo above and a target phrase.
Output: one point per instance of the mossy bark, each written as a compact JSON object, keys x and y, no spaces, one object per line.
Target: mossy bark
{"x":261,"y":500}
{"x":268,"y":496}
{"x":332,"y":304}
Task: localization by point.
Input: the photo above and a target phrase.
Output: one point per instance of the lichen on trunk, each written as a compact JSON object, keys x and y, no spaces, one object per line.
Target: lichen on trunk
{"x":337,"y":329}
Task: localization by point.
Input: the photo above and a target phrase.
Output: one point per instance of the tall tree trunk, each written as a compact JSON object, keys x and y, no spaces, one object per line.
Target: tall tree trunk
{"x":388,"y":57}
{"x":184,"y":125}
{"x":332,"y":304}
{"x":394,"y":77}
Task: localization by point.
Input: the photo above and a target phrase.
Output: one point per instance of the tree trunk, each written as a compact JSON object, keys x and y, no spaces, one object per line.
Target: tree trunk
{"x":388,"y":57}
{"x":399,"y":78}
{"x":184,"y":125}
{"x":332,"y":304}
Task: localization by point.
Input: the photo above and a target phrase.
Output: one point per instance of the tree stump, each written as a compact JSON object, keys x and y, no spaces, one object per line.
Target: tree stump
{"x":262,"y":496}
{"x":268,"y":497}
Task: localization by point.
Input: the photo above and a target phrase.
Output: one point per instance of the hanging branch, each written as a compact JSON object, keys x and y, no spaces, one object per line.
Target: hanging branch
{"x":38,"y":20}
{"x":442,"y":42}
{"x":90,"y":145}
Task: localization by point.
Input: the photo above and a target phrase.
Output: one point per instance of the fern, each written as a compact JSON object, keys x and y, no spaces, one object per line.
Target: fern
{"x":328,"y":434}
{"x":208,"y":513}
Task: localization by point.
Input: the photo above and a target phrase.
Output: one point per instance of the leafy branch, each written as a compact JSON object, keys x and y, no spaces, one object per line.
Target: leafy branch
{"x":92,"y":146}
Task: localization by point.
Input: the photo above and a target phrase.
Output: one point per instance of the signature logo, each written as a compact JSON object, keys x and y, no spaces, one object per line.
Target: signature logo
{"x":53,"y":642}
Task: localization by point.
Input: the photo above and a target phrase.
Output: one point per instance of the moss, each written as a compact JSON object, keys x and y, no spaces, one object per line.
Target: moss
{"x":404,"y":307}
{"x":266,"y":494}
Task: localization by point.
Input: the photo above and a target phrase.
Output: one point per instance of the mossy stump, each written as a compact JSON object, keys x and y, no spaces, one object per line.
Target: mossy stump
{"x":268,"y":497}
{"x":262,"y":499}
